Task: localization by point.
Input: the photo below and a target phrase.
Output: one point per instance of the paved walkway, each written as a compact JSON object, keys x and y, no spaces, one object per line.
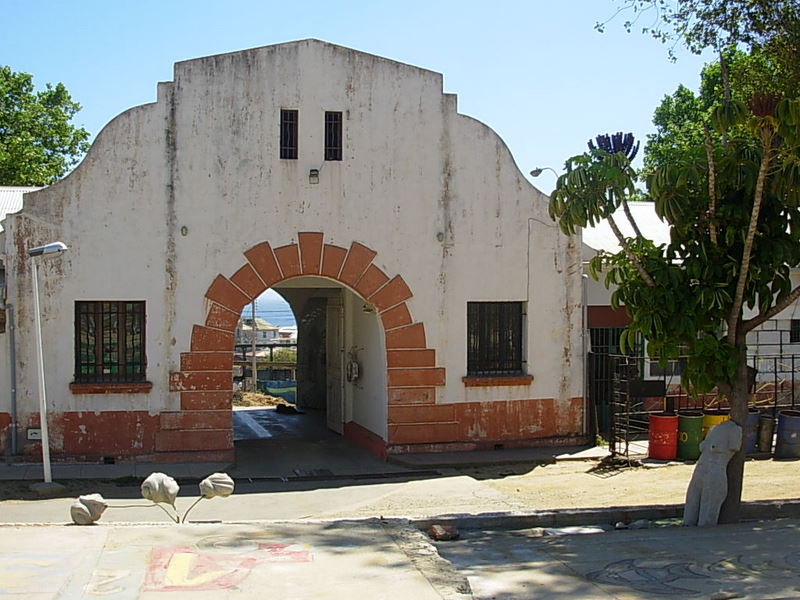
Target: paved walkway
{"x":502,"y":554}
{"x":758,"y":561}
{"x":374,"y":559}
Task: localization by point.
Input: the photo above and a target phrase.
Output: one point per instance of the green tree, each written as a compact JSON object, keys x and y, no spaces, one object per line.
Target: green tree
{"x":733,"y":210}
{"x":38,"y":144}
{"x":683,"y":119}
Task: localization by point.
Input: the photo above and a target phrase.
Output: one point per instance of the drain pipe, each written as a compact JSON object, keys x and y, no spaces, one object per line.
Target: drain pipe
{"x":12,"y":371}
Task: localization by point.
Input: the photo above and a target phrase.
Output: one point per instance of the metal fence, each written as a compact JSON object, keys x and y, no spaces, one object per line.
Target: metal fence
{"x":625,"y":389}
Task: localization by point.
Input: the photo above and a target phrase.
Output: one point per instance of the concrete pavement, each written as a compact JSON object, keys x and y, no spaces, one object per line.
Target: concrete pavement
{"x":289,"y":532}
{"x":755,"y":560}
{"x":392,"y":559}
{"x":366,"y":559}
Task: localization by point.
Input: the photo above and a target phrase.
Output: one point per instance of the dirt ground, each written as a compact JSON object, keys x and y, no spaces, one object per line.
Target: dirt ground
{"x":584,"y":484}
{"x":252,"y":399}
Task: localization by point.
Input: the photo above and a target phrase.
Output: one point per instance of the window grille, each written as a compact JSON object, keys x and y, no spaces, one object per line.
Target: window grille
{"x":289,"y":133}
{"x":794,"y":331}
{"x":333,"y":135}
{"x":494,"y":338}
{"x":109,"y":342}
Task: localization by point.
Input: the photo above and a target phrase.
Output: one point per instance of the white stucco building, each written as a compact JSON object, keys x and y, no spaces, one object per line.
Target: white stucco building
{"x":401,"y":232}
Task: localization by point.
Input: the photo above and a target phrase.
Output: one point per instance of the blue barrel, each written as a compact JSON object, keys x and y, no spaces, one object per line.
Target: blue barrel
{"x":751,"y":431}
{"x":787,"y":440}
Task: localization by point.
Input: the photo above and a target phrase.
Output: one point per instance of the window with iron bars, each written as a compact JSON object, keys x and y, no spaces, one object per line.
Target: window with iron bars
{"x":333,"y":135}
{"x":494,"y":338}
{"x":109,"y":341}
{"x":289,"y":119}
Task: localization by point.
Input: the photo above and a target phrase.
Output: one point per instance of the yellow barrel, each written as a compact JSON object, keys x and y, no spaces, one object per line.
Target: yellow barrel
{"x":711,"y":418}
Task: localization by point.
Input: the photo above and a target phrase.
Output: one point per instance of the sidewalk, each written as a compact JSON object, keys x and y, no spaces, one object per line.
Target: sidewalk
{"x":329,"y":521}
{"x":298,"y":561}
{"x":391,"y":560}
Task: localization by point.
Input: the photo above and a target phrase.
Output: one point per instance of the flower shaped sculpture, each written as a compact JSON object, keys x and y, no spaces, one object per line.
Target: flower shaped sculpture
{"x":87,"y":509}
{"x":159,"y":487}
{"x":215,"y":485}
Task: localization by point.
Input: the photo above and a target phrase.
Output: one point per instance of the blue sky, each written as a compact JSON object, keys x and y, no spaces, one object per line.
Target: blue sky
{"x":535,"y":71}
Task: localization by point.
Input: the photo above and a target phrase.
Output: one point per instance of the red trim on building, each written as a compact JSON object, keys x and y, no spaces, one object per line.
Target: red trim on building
{"x":470,"y":381}
{"x":110,"y":388}
{"x":605,"y":316}
{"x":363,"y":437}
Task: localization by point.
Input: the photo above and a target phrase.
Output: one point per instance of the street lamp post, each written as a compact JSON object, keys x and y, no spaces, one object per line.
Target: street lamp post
{"x":54,"y":248}
{"x":539,"y":170}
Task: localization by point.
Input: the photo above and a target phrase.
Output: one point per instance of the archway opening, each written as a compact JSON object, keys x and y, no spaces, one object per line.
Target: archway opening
{"x":332,"y":373}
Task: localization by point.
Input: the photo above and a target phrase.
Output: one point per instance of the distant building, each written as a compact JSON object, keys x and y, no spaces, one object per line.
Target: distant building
{"x":264,"y":331}
{"x":288,"y":334}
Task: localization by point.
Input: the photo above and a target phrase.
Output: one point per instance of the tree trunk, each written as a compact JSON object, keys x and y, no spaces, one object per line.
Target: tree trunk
{"x":738,"y":398}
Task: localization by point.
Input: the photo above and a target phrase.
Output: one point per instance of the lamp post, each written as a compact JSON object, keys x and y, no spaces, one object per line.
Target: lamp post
{"x":539,"y":170}
{"x":54,"y":248}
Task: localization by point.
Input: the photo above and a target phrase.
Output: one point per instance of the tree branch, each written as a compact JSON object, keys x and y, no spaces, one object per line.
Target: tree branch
{"x":629,"y":253}
{"x":751,"y":324}
{"x":738,"y":299}
{"x":626,"y":209}
{"x":712,"y":185}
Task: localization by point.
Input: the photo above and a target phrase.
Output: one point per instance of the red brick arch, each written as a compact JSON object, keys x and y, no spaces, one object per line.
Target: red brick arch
{"x":205,"y":378}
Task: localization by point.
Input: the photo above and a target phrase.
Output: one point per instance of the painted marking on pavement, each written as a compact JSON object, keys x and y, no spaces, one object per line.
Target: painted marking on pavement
{"x":182,"y":568}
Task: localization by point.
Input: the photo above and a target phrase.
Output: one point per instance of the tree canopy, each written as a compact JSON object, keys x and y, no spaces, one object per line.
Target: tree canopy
{"x":684,"y":117}
{"x":38,"y":143}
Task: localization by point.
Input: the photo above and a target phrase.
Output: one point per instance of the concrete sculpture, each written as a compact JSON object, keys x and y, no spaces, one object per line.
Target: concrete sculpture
{"x":160,"y":489}
{"x":87,"y":509}
{"x":709,"y":484}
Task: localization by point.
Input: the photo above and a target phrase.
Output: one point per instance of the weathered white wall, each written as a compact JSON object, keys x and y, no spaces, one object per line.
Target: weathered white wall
{"x":111,"y":213}
{"x":366,"y":395}
{"x":435,"y":193}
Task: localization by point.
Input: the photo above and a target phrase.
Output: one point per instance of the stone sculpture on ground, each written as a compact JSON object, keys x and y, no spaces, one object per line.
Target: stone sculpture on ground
{"x":160,"y":489}
{"x":709,"y":484}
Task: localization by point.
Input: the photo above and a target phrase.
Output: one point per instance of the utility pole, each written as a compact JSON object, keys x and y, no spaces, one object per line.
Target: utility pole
{"x":253,"y":338}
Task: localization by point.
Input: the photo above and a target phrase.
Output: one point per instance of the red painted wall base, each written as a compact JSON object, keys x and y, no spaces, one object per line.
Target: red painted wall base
{"x":363,"y":437}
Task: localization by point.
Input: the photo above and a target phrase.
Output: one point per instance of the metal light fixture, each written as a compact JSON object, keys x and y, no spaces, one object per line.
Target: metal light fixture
{"x":51,"y":249}
{"x":539,"y":170}
{"x":313,"y":176}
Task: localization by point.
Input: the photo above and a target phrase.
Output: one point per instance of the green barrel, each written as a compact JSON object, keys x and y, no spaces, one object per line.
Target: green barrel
{"x":690,"y":432}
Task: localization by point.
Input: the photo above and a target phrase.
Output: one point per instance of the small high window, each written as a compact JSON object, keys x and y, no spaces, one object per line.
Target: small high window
{"x":109,"y":342}
{"x":288,"y":133}
{"x":333,"y":135}
{"x":794,"y":331}
{"x":494,"y":338}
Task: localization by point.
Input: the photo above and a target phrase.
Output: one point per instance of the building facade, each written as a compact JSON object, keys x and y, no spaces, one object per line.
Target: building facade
{"x":438,"y":306}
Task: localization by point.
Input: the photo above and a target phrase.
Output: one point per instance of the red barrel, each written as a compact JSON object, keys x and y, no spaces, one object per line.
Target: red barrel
{"x":663,"y":438}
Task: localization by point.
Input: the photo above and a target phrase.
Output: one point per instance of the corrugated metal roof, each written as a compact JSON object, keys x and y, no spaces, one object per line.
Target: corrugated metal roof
{"x":11,"y":199}
{"x":600,"y":237}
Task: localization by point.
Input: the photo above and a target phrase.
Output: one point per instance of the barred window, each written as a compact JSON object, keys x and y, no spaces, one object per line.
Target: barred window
{"x":109,"y":341}
{"x":494,"y":338}
{"x":288,"y":133}
{"x":333,"y":135}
